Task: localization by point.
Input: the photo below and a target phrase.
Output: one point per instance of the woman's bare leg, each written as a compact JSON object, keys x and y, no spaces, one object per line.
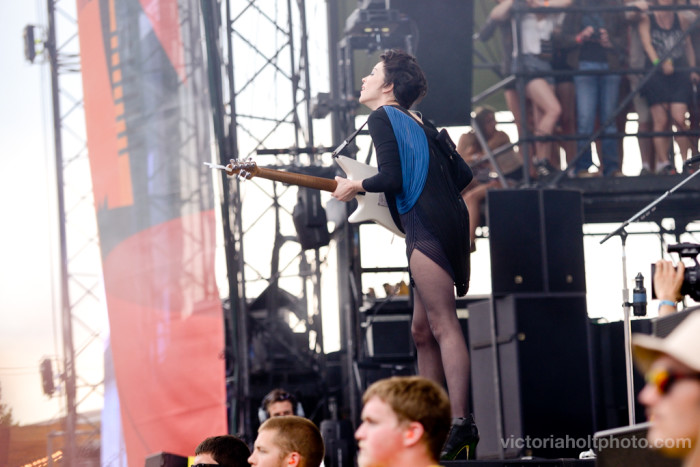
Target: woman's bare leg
{"x":660,"y":119}
{"x":678,"y":110}
{"x":541,"y":93}
{"x":442,"y":350}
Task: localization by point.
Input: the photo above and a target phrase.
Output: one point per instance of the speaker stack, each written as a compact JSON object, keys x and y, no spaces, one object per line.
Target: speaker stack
{"x":531,"y":377}
{"x":536,"y":241}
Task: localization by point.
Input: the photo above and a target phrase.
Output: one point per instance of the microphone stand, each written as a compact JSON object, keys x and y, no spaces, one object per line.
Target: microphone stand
{"x":645,"y":211}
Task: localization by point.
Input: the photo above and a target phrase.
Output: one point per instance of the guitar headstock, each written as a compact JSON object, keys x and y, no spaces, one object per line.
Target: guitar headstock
{"x":245,"y":169}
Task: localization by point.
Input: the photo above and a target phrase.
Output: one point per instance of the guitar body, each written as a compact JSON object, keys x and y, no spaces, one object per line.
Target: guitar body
{"x":370,"y":206}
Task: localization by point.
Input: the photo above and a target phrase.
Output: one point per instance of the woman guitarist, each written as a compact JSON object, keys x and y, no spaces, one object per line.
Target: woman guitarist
{"x":424,"y":197}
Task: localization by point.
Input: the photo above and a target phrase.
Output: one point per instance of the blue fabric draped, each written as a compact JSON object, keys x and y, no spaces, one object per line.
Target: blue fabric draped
{"x":414,"y":154}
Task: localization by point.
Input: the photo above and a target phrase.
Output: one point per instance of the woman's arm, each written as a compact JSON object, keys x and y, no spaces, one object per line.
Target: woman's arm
{"x":388,"y":160}
{"x":565,"y":34}
{"x":686,"y":22}
{"x":635,"y":16}
{"x":617,"y":32}
{"x":555,"y":3}
{"x":549,"y":3}
{"x":690,"y":55}
{"x":346,"y":189}
{"x":468,"y":147}
{"x":501,"y":12}
{"x":389,"y":178}
{"x":644,"y":28}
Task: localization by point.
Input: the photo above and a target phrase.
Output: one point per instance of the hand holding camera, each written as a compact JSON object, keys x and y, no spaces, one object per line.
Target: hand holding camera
{"x":667,"y":281}
{"x":604,"y":38}
{"x":587,"y":34}
{"x":671,"y":283}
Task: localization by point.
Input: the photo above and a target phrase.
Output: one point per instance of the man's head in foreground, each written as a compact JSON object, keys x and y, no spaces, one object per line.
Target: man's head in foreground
{"x":672,"y":393}
{"x":288,"y":441}
{"x":225,"y":450}
{"x":405,"y":420}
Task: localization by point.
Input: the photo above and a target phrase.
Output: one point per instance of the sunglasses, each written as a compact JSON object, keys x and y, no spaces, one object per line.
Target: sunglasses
{"x":285,"y":396}
{"x":663,"y":379}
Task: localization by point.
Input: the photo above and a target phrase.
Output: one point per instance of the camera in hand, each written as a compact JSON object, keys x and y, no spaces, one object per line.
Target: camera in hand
{"x":594,"y":21}
{"x":691,"y":279}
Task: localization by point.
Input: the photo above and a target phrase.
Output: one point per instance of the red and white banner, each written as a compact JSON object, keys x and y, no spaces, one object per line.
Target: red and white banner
{"x":147,"y":114}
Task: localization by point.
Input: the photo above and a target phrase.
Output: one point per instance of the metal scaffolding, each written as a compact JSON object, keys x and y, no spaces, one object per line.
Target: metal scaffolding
{"x":259,"y":75}
{"x":82,"y":305}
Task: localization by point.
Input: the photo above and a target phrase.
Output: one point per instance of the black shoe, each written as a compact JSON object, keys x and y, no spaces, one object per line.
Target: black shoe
{"x":544,"y":168}
{"x":667,"y":169}
{"x":461,"y":440}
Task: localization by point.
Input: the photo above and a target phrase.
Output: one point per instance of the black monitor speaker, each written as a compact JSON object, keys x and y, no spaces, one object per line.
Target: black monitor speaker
{"x":536,"y":241}
{"x":165,"y":459}
{"x":536,"y":381}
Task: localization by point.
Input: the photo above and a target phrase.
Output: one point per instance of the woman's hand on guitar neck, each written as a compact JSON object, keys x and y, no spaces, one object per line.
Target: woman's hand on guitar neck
{"x":347,"y":189}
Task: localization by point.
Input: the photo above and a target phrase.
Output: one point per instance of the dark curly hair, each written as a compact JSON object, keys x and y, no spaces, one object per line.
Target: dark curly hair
{"x":402,"y":70}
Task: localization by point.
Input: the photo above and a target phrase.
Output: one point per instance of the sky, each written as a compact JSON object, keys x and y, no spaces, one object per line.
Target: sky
{"x":29,"y":254}
{"x":28,"y":249}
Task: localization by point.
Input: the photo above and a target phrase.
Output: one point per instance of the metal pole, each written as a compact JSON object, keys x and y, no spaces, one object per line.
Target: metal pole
{"x":66,"y":315}
{"x":334,"y":68}
{"x":628,"y":334}
{"x":304,"y":61}
{"x":234,"y":234}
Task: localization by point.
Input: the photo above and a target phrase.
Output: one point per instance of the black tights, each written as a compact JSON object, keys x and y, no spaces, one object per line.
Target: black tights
{"x":442,"y":351}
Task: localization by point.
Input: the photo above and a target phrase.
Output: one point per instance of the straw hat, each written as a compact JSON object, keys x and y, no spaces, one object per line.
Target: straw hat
{"x":683,"y":344}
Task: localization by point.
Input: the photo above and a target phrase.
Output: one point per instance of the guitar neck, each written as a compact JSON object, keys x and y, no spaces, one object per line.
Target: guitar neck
{"x":308,"y":181}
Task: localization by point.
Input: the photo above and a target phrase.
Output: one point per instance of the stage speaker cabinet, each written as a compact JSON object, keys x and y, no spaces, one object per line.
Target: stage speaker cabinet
{"x":628,"y":447}
{"x":389,"y":336}
{"x":339,"y":440}
{"x":536,"y":241}
{"x":607,"y":342}
{"x":539,"y":368}
{"x":310,"y":220}
{"x":164,"y":459}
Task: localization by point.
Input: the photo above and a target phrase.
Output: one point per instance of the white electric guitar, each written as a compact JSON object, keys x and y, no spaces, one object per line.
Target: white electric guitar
{"x":370,"y":206}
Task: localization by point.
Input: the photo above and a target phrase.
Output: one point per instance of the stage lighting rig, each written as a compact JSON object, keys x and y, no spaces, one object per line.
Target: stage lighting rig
{"x":379,"y":28}
{"x":33,"y":42}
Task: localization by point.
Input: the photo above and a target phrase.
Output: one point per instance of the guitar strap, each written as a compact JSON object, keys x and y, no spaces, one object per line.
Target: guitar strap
{"x":348,"y":140}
